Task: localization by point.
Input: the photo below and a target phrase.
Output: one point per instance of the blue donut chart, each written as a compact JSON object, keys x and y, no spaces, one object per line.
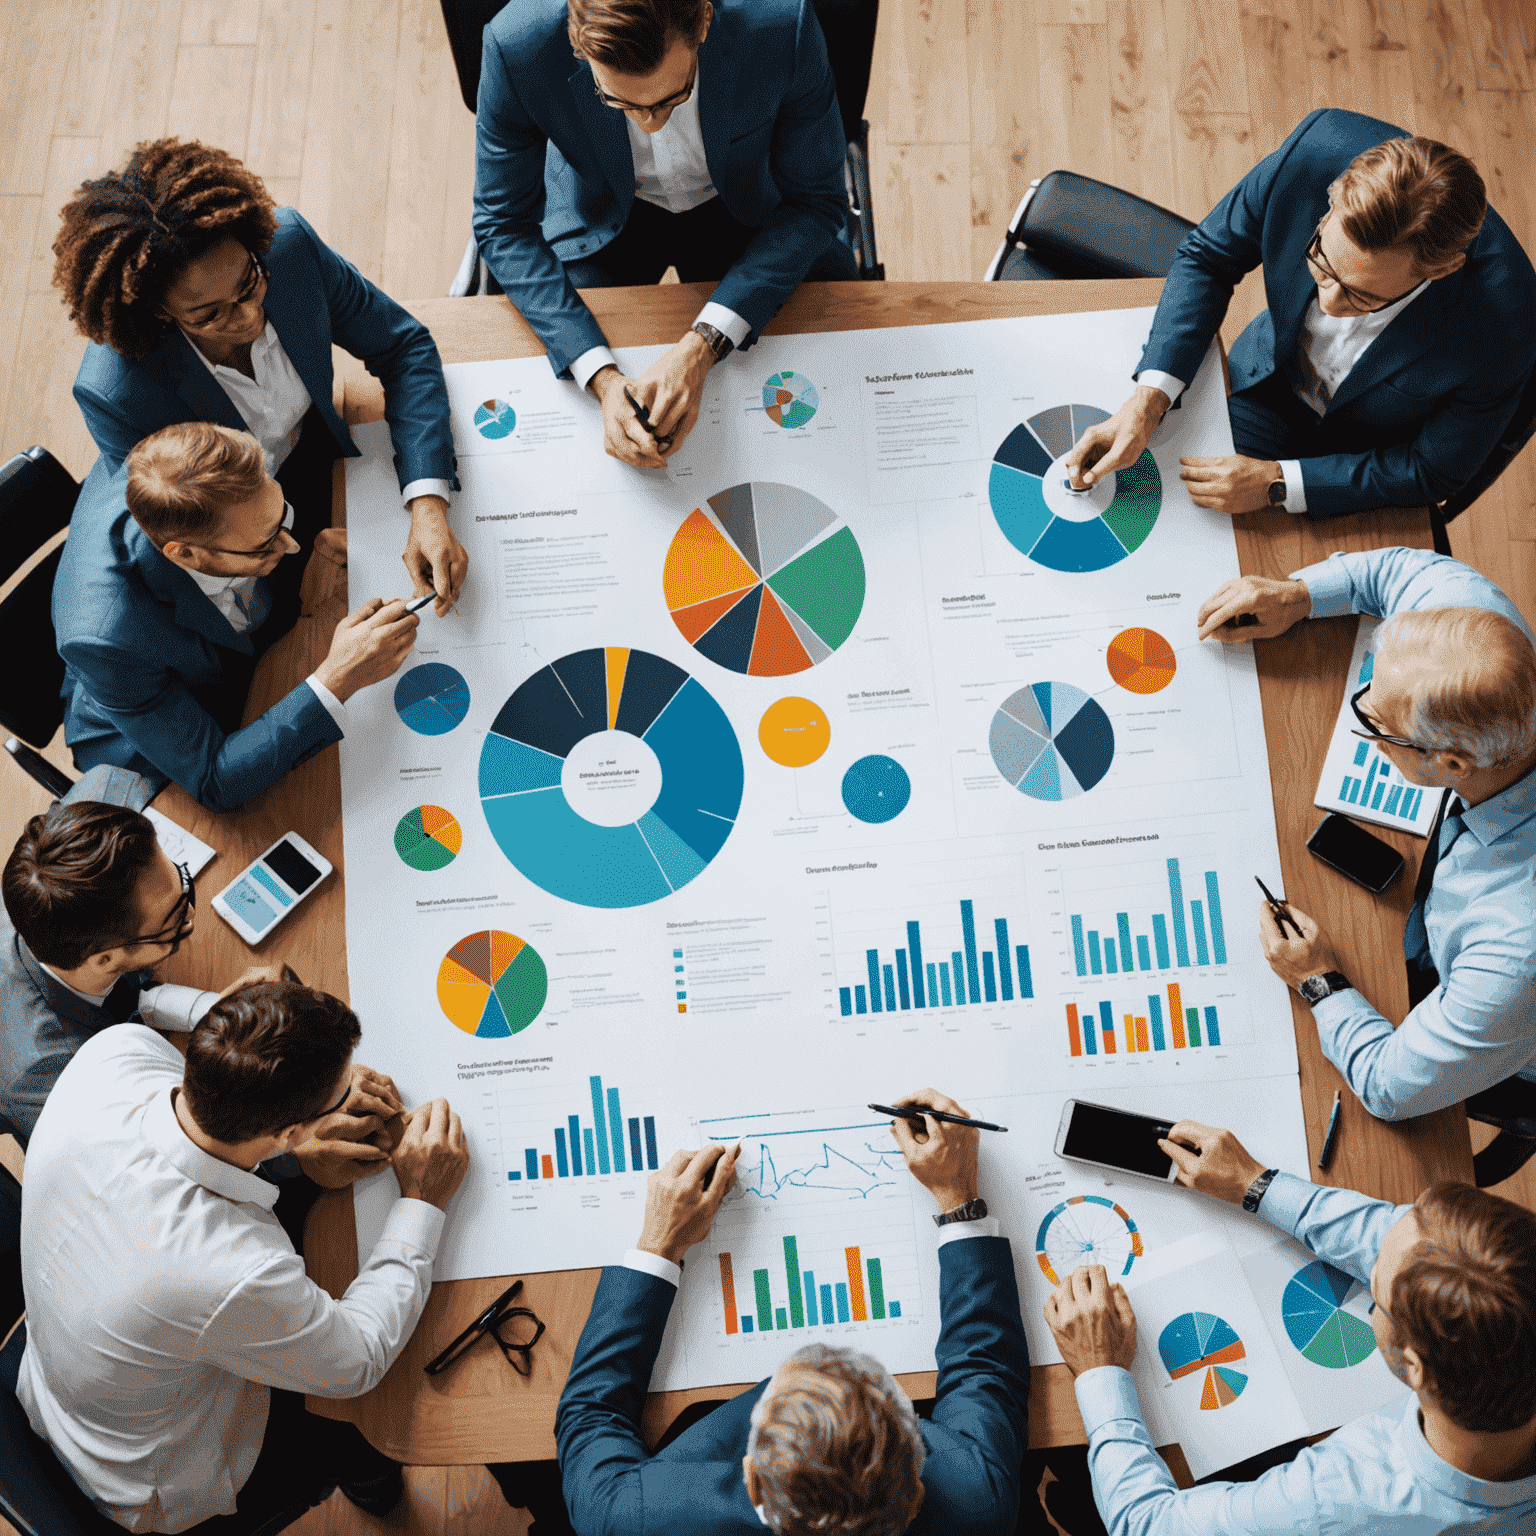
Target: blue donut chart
{"x":610,"y":688}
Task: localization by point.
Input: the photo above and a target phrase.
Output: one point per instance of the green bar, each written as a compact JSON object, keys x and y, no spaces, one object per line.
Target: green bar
{"x":764,"y":1301}
{"x":783,"y":1321}
{"x":876,"y":1290}
{"x":792,"y":1274}
{"x":1193,"y":1015}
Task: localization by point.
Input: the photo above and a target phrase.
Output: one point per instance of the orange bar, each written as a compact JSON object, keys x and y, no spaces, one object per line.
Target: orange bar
{"x":1130,"y":1033}
{"x":1074,"y":1030}
{"x":1177,"y":1009}
{"x":1141,"y":1035}
{"x":549,"y":1166}
{"x":728,"y":1290}
{"x":682,"y":1007}
{"x":855,"y":1285}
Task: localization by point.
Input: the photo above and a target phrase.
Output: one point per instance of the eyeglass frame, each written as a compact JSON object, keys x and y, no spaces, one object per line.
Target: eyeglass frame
{"x":263,"y":550}
{"x":676,"y":99}
{"x":259,"y":274}
{"x":185,"y":907}
{"x":1370,"y":733}
{"x":1352,"y":296}
{"x":489,"y":1322}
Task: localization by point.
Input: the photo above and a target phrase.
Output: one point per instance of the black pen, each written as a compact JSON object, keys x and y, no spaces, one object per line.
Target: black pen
{"x":643,"y":416}
{"x":913,"y":1113}
{"x":416,"y":604}
{"x":1331,"y":1134}
{"x":1282,"y":916}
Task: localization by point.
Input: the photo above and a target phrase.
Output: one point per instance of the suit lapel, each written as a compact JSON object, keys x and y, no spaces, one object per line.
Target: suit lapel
{"x":291,"y":315}
{"x":608,"y":134}
{"x":196,"y":386}
{"x":717,"y":92}
{"x":63,"y":1002}
{"x":171,"y":584}
{"x":1412,"y":332}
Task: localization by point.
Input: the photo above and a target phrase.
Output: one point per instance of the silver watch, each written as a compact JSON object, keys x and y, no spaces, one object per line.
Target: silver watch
{"x":716,"y":340}
{"x":1316,"y":988}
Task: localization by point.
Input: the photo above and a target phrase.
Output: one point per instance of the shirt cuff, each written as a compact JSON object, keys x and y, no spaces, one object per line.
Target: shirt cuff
{"x":653,"y":1264}
{"x":1295,"y":490}
{"x":1328,"y":582}
{"x":727,"y":322}
{"x":983,"y":1226}
{"x":413,"y":1222}
{"x":1104,"y":1394}
{"x":333,"y":706}
{"x":1285,"y":1200}
{"x":589,"y":362}
{"x":1166,"y":382}
{"x":443,"y":488}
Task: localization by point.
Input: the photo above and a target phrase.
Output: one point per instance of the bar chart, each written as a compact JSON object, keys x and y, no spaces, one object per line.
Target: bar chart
{"x":809,"y":1302}
{"x":610,"y":1142}
{"x":1182,"y":935}
{"x":1164,"y":1020}
{"x":1375,"y":784}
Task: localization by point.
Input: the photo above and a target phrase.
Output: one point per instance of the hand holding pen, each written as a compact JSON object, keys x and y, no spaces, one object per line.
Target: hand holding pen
{"x":643,"y":416}
{"x":1280,"y":908}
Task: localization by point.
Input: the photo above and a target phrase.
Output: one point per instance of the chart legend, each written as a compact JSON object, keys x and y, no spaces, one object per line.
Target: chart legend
{"x":1181,"y":936}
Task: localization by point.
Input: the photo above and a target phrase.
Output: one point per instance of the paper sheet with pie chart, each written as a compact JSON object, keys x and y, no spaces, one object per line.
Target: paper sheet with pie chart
{"x":853,"y":750}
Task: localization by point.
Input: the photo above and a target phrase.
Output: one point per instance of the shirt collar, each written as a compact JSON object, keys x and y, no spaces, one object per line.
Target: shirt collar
{"x":213,"y":585}
{"x":161,"y":1129}
{"x":1502,"y":813}
{"x":98,"y":998}
{"x":1433,"y":1469}
{"x":259,"y":348}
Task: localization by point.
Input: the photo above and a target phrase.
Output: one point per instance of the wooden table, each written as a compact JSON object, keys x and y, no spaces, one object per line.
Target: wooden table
{"x":484,"y":1412}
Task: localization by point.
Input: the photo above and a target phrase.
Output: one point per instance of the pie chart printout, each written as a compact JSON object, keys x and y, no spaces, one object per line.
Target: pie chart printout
{"x":1051,"y":741}
{"x":492,"y":984}
{"x":1141,"y":661}
{"x":1196,"y":1341}
{"x":611,"y":778}
{"x":1087,"y":1229}
{"x":495,"y":418}
{"x":1312,"y":1309}
{"x":1055,"y":527}
{"x":876,"y":788}
{"x":794,"y":732}
{"x":771,"y":585}
{"x":428,"y":837}
{"x":431,"y":699}
{"x":790,"y":399}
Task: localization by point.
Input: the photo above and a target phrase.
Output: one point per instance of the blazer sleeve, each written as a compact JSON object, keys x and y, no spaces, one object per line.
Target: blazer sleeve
{"x":111,"y":428}
{"x":508,"y":214}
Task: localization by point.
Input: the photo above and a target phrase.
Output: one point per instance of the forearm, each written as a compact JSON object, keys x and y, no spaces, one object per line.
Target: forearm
{"x":776,"y":260}
{"x":1387,"y":581}
{"x":1132,"y":1486}
{"x":1340,"y":1225}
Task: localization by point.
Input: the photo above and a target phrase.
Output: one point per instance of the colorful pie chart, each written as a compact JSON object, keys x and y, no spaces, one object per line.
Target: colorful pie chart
{"x":431,"y":698}
{"x":1312,"y":1310}
{"x":790,"y":399}
{"x":495,"y":418}
{"x":492,"y":984}
{"x":1051,"y":741}
{"x":428,"y":837}
{"x":1086,"y":1229}
{"x":1196,"y":1341}
{"x":1141,"y":660}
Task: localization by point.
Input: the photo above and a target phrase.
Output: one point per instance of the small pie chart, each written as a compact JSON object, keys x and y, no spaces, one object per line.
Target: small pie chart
{"x":492,"y":984}
{"x":428,"y":837}
{"x":794,"y":732}
{"x":1141,"y":660}
{"x":1196,"y":1341}
{"x":1051,"y":741}
{"x":790,"y":399}
{"x":876,"y":789}
{"x":495,"y":418}
{"x":432,"y":698}
{"x":1312,"y":1309}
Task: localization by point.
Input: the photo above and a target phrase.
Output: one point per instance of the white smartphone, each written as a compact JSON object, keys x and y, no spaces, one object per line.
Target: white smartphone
{"x":266,"y":891}
{"x":1114,"y":1138}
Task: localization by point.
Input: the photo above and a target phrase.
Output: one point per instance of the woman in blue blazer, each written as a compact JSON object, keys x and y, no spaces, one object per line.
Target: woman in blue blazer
{"x":203,"y":301}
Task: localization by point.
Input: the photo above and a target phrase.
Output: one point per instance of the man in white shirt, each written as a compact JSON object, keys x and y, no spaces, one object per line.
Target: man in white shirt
{"x":170,"y":1328}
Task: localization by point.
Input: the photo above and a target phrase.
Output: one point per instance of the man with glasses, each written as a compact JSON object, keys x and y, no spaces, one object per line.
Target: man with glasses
{"x":690,"y":134}
{"x":176,"y":578}
{"x":1452,"y":702}
{"x":1452,"y":1281}
{"x":1370,"y":379}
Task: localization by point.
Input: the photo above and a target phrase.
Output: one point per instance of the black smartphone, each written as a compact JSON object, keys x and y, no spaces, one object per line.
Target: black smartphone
{"x":1350,"y":849}
{"x":1114,"y":1138}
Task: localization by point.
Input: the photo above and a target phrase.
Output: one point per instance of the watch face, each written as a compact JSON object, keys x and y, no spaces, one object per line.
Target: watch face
{"x":1276,"y":493}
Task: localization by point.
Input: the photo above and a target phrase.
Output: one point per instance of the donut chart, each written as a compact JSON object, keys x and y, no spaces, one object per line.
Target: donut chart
{"x":431,"y":698}
{"x":494,"y":419}
{"x":1312,"y":1310}
{"x":1087,"y":1229}
{"x":1097,"y":535}
{"x":1051,"y":741}
{"x":492,"y":984}
{"x":1141,"y":661}
{"x":876,"y":789}
{"x":653,"y":720}
{"x":1196,"y":1340}
{"x":428,"y":838}
{"x":790,"y":399}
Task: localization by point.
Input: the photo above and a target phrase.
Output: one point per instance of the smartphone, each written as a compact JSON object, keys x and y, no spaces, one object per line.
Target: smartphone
{"x":1350,"y":849}
{"x":1114,"y":1138}
{"x":266,"y":891}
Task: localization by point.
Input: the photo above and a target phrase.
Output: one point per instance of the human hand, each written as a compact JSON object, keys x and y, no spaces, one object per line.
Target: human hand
{"x":681,"y":1199}
{"x":434,"y":559}
{"x":1290,"y":958}
{"x":1229,"y":482}
{"x":623,"y":436}
{"x":252,"y":975}
{"x":1118,"y":442}
{"x":368,"y":646}
{"x":1212,"y":1161}
{"x":672,"y":389}
{"x":940,"y":1156}
{"x":1276,"y":604}
{"x":331,"y":545}
{"x":1092,"y":1320}
{"x":432,"y":1157}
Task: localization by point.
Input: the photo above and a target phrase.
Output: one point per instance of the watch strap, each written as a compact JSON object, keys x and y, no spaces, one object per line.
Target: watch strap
{"x":1277,"y":486}
{"x":1316,"y":988}
{"x":716,"y":340}
{"x":972,"y":1210}
{"x":1257,"y":1188}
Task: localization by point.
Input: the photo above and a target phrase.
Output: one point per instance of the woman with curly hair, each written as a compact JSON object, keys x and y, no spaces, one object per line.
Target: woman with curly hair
{"x":205,"y":302}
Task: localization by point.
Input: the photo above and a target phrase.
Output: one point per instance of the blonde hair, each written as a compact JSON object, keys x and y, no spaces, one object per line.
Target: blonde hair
{"x":1415,"y":193}
{"x":181,"y":478}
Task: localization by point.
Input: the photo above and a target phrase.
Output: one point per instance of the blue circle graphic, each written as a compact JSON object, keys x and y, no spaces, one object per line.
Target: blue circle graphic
{"x":431,"y":698}
{"x":876,"y":788}
{"x":495,"y":418}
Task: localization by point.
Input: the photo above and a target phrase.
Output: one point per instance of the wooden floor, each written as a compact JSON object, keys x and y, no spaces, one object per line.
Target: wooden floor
{"x":350,"y":110}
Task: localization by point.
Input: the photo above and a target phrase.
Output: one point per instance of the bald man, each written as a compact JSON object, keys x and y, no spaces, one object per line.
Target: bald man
{"x":1452,"y":702}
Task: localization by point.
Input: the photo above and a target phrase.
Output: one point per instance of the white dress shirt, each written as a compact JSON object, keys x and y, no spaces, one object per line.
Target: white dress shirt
{"x":164,"y":1300}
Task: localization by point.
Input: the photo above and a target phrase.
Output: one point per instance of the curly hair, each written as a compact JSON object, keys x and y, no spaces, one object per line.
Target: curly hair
{"x":126,"y":237}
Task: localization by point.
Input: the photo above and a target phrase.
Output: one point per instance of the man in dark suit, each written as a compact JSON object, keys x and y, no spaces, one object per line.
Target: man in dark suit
{"x":614,"y":140}
{"x":1400,"y":332}
{"x":829,"y":1443}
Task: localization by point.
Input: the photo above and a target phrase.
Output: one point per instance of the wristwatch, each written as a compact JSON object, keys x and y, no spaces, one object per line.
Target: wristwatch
{"x":972,"y":1210}
{"x":1277,"y":492}
{"x":1257,"y":1188}
{"x":717,"y":341}
{"x":1316,"y":988}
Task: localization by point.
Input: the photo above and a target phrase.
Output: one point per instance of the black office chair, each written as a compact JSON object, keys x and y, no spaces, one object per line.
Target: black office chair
{"x":1511,"y":1106}
{"x":1071,"y":226}
{"x":37,"y":498}
{"x":849,"y":28}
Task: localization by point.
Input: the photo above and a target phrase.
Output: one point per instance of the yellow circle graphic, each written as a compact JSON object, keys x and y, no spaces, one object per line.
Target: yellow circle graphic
{"x":794,"y":732}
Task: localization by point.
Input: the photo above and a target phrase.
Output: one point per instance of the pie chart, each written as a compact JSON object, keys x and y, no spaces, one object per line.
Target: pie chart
{"x":1087,"y":1229}
{"x":492,"y":984}
{"x":1312,"y":1309}
{"x":495,"y":418}
{"x":1051,"y":741}
{"x":432,"y":698}
{"x":794,"y":732}
{"x":1055,"y":527}
{"x":1141,"y":660}
{"x":790,"y":399}
{"x":768,"y":582}
{"x":428,"y":837}
{"x":1200,"y":1340}
{"x":876,"y":788}
{"x":611,"y":778}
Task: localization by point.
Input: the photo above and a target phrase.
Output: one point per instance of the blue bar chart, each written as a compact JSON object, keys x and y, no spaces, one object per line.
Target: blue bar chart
{"x":1161,"y":1020}
{"x":1190,"y":932}
{"x":1375,"y":784}
{"x":612,"y":1141}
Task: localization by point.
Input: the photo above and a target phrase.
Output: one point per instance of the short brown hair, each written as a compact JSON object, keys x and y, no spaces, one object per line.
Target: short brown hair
{"x":834,"y":1454}
{"x":1411,"y":192}
{"x":632,"y":36}
{"x":181,"y":478}
{"x":1465,"y":1301}
{"x":266,"y":1057}
{"x":126,"y":237}
{"x":69,"y":883}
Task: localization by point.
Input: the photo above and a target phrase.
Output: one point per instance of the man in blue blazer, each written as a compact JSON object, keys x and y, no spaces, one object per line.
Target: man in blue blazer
{"x":616,"y":140}
{"x":829,"y":1442}
{"x":176,"y":577}
{"x":1400,"y":331}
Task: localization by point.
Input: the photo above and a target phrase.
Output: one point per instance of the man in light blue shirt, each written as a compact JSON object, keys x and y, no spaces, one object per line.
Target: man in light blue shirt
{"x":1452,"y":701}
{"x":1453,"y":1283}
